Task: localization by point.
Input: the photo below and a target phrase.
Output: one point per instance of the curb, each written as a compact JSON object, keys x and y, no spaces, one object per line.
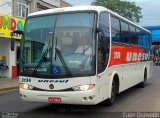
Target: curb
{"x":9,"y":88}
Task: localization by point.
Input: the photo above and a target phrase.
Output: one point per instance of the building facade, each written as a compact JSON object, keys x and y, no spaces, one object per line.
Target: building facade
{"x":155,"y":31}
{"x":12,"y":17}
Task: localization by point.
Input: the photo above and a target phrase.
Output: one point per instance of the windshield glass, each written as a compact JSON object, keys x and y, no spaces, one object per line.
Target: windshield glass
{"x":61,"y":45}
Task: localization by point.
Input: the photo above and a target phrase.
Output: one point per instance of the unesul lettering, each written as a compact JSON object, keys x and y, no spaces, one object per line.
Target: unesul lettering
{"x":53,"y":81}
{"x":137,"y":56}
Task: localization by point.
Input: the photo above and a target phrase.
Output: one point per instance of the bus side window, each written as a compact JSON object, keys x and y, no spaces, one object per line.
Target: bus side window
{"x":139,"y":41}
{"x":125,"y":35}
{"x":103,"y":43}
{"x":133,"y":39}
{"x":138,"y":36}
{"x":150,"y":41}
{"x":116,"y":30}
{"x":144,"y":40}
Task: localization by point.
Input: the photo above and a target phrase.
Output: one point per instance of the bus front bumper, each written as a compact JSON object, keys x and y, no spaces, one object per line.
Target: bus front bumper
{"x":73,"y":97}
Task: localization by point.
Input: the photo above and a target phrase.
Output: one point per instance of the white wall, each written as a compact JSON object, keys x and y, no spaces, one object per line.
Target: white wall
{"x":0,"y":47}
{"x":4,"y":50}
{"x":12,"y":57}
{"x":6,"y":8}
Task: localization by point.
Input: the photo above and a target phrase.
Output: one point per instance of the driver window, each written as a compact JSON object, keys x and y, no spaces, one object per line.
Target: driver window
{"x":83,"y":44}
{"x":67,"y":42}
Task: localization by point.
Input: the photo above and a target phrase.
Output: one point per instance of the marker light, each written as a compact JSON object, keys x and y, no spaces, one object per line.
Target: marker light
{"x":83,"y":87}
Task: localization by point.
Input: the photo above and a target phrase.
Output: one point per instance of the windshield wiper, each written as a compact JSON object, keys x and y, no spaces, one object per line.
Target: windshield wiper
{"x":68,"y":72}
{"x":43,"y":56}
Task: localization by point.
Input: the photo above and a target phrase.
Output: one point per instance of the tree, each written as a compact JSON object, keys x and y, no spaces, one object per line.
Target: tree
{"x":126,"y":9}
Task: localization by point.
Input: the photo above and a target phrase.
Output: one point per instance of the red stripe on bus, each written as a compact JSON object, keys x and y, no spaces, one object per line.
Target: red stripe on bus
{"x":125,"y":55}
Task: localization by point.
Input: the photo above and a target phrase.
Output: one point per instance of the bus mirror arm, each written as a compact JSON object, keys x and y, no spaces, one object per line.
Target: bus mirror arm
{"x":100,"y":33}
{"x":98,"y":30}
{"x":100,"y":36}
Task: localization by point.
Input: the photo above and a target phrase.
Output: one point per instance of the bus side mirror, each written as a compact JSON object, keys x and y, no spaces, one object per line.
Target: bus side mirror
{"x":12,"y":44}
{"x":14,"y":33}
{"x":100,"y":36}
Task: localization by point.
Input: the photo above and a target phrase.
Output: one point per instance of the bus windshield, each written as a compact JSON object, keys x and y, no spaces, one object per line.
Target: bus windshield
{"x":59,"y":44}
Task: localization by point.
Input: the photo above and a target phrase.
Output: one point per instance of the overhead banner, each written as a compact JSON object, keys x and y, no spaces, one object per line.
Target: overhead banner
{"x":9,"y":24}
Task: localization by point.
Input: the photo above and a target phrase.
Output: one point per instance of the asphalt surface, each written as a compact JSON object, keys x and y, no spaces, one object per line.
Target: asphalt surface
{"x":133,"y":100}
{"x":8,"y":84}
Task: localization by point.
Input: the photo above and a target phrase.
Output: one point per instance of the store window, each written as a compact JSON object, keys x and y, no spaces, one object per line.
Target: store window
{"x":22,"y":8}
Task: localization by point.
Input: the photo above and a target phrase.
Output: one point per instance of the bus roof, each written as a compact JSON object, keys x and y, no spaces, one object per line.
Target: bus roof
{"x":98,"y":9}
{"x":69,"y":9}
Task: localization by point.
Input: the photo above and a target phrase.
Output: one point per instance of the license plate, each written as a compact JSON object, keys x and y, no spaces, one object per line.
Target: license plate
{"x":54,"y":99}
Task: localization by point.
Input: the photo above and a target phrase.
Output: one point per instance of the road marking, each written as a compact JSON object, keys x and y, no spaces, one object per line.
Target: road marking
{"x":3,"y":90}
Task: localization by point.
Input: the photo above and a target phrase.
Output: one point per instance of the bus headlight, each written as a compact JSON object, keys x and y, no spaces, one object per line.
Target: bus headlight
{"x":83,"y":87}
{"x":25,"y":86}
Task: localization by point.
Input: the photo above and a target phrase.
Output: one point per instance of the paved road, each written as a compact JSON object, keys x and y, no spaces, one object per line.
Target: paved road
{"x":133,"y":100}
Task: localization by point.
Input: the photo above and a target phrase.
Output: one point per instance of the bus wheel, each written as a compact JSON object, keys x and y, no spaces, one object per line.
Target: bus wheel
{"x":111,"y":101}
{"x":143,"y":84}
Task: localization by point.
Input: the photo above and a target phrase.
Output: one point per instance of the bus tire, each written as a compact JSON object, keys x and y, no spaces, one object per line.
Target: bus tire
{"x":143,"y":83}
{"x":114,"y":92}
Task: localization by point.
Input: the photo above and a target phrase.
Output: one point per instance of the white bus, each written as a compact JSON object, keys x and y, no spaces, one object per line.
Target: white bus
{"x":82,"y":55}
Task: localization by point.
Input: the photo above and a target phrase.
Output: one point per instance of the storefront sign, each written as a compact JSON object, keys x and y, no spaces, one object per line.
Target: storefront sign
{"x":9,"y":24}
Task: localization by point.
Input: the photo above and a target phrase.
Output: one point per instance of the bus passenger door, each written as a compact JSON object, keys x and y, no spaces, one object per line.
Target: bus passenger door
{"x":103,"y":54}
{"x":103,"y":57}
{"x":102,"y":78}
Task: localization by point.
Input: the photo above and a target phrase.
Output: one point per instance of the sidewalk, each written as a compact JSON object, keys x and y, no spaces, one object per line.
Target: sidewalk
{"x":8,"y":84}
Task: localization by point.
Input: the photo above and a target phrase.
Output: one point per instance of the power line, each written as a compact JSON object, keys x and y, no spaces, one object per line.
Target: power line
{"x":4,"y":4}
{"x":150,"y":19}
{"x":11,"y":13}
{"x":54,"y":1}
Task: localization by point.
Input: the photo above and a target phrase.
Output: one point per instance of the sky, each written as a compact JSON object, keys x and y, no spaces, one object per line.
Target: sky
{"x":150,"y":10}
